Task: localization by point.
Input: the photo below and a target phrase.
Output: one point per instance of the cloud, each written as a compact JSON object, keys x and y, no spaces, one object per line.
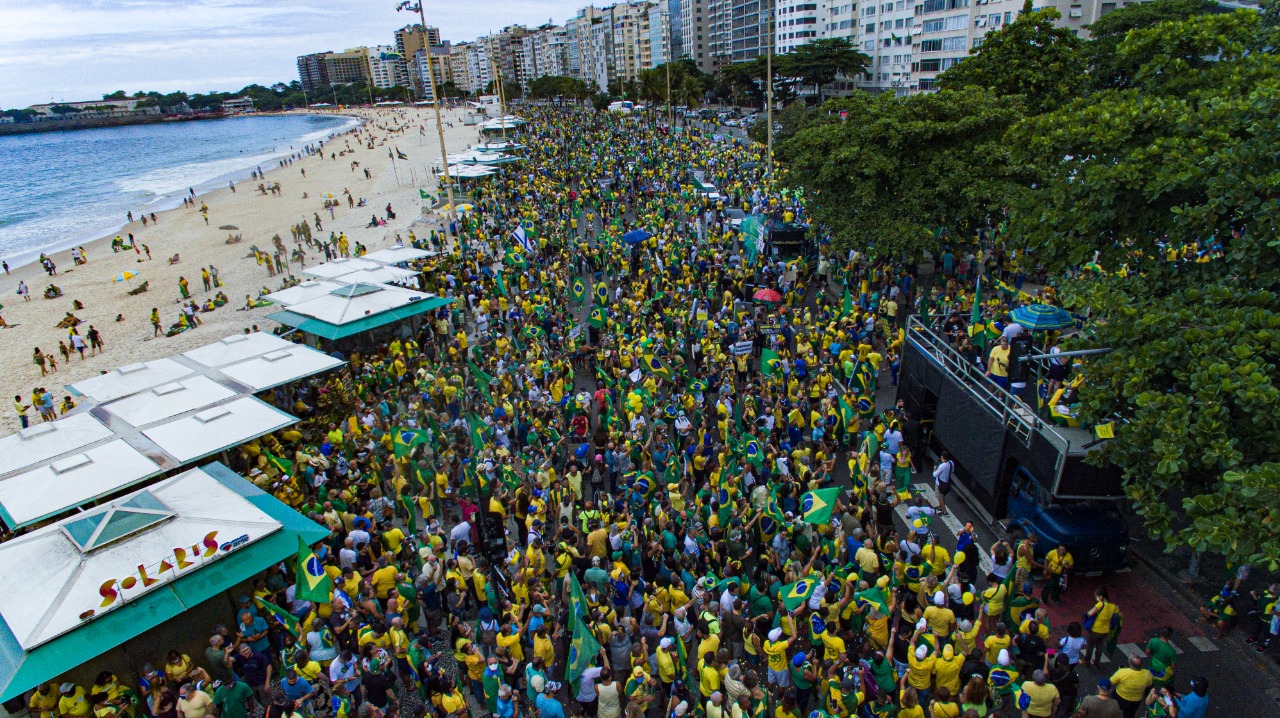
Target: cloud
{"x":80,"y":49}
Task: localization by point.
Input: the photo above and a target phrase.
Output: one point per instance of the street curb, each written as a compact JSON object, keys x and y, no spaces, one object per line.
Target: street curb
{"x":1232,"y":640}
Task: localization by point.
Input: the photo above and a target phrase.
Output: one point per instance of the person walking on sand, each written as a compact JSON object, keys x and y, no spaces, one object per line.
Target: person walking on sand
{"x":155,"y":322}
{"x":24,"y":291}
{"x":21,"y":408}
{"x":64,"y":350}
{"x":184,"y":288}
{"x":206,"y":278}
{"x":95,"y":341}
{"x":147,"y":249}
{"x":37,"y":356}
{"x":77,"y":343}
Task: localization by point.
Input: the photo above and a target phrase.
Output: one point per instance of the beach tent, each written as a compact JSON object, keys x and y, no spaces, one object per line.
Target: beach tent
{"x":119,"y":570}
{"x":338,"y":267}
{"x":355,"y":308}
{"x":145,"y":419}
{"x":394,"y":256}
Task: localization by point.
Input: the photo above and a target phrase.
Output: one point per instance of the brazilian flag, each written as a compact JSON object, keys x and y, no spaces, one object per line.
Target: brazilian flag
{"x":752,"y":452}
{"x":658,"y":368}
{"x":597,"y":319}
{"x":768,"y":362}
{"x":477,"y":432}
{"x":794,"y":595}
{"x":313,"y":584}
{"x":283,"y":465}
{"x":515,"y":257}
{"x":533,"y":332}
{"x":406,"y":439}
{"x":579,"y":291}
{"x":818,"y":505}
{"x":873,"y":597}
{"x":866,"y":407}
{"x":602,"y":294}
{"x":502,"y":285}
{"x":286,"y":619}
{"x":848,"y":417}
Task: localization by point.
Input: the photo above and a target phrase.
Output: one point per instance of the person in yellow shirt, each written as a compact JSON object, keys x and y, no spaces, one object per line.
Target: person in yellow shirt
{"x":775,"y":649}
{"x":44,"y":700}
{"x":384,"y":578}
{"x":1102,"y":613}
{"x":946,"y":670}
{"x":73,"y":702}
{"x":1131,"y":684}
{"x":996,"y":642}
{"x":708,"y":674}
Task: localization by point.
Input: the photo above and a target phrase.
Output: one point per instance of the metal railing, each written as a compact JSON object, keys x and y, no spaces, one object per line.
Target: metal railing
{"x":1014,"y":412}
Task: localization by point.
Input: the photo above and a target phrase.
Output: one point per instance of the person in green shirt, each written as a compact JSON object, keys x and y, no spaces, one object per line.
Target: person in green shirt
{"x":230,"y":698}
{"x":1163,"y":657}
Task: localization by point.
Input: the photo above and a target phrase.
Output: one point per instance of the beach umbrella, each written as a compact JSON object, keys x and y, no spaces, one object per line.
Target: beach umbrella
{"x":769,"y":296}
{"x":1043,"y":317}
{"x":636,"y":236}
{"x":228,"y":226}
{"x":124,"y":277}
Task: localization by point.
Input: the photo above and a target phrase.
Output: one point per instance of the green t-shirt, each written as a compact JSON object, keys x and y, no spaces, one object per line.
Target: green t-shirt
{"x":230,"y":700}
{"x":797,"y":677}
{"x":1162,"y":654}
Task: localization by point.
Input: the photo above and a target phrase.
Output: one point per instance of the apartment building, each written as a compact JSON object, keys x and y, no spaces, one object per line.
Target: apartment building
{"x":384,"y":66}
{"x":749,"y":27}
{"x":312,"y":72}
{"x":546,"y":51}
{"x":459,"y":69}
{"x":479,"y":65}
{"x":661,"y":50}
{"x":695,"y":33}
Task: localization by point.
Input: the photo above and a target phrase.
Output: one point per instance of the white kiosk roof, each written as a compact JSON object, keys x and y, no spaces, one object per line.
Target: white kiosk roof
{"x":354,"y":302}
{"x":75,"y":479}
{"x":381,"y":275}
{"x":280,"y":367}
{"x":237,"y":347}
{"x":337,"y":267}
{"x":397,"y":255}
{"x":168,"y":400}
{"x":217,"y":428}
{"x":131,"y":379}
{"x":45,"y":441}
{"x":93,"y":563}
{"x":299,"y":293}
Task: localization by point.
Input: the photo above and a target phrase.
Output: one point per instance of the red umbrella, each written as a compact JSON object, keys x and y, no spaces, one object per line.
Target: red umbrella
{"x":767,"y":295}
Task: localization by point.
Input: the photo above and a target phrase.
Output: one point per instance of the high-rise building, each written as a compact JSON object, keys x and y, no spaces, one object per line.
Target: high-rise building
{"x":439,"y":67}
{"x":384,"y":66}
{"x":661,"y":50}
{"x":549,"y":47}
{"x":347,"y":67}
{"x":695,"y":33}
{"x":409,"y":40}
{"x":749,"y":23}
{"x":479,"y":65}
{"x":720,"y":32}
{"x":312,"y":72}
{"x":459,"y":70}
{"x":631,"y":53}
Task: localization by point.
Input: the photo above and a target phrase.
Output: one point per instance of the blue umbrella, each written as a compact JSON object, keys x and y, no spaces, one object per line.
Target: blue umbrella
{"x":1042,"y":317}
{"x":636,"y":236}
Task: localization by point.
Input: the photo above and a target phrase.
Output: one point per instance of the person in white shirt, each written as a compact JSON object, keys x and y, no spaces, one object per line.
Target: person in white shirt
{"x":942,"y":481}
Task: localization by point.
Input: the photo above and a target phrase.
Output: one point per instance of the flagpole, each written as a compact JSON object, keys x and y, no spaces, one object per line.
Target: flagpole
{"x":435,"y":102}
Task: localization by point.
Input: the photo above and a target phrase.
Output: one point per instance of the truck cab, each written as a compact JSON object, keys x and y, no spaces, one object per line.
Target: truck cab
{"x":1013,"y":468}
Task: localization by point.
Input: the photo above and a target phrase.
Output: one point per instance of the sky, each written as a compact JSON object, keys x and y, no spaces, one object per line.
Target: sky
{"x":69,"y":50}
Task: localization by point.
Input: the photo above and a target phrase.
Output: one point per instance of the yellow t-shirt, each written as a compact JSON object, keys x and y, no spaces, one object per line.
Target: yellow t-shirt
{"x":777,"y":653}
{"x":994,"y":644}
{"x":1131,"y":685}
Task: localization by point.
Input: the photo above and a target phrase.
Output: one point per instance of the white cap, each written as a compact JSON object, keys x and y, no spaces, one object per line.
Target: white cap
{"x":1003,"y":658}
{"x":939,"y":599}
{"x":921,"y":652}
{"x":775,"y":634}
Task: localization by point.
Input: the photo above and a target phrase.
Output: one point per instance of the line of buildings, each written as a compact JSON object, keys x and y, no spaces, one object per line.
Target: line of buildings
{"x":910,"y":42}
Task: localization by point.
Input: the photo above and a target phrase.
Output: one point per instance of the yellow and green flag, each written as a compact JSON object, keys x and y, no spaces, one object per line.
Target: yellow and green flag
{"x":283,"y":465}
{"x":286,"y":619}
{"x":406,"y":439}
{"x":313,"y":583}
{"x":579,"y":291}
{"x":818,"y":505}
{"x":794,"y":595}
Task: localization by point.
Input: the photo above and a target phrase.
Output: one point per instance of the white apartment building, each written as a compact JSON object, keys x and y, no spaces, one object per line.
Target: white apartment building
{"x":630,"y":27}
{"x":798,"y":22}
{"x":660,"y":33}
{"x":384,"y":66}
{"x":548,"y":50}
{"x":479,"y":65}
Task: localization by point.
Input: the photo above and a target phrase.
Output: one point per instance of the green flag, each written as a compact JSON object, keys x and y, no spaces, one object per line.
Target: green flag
{"x":602,"y":294}
{"x":795,"y":594}
{"x":284,"y":465}
{"x":285,"y":618}
{"x":313,"y":583}
{"x":752,"y":451}
{"x":406,"y":439}
{"x":477,"y":432}
{"x":597,"y":319}
{"x":422,"y":193}
{"x":583,"y":646}
{"x":515,"y":257}
{"x":658,"y":367}
{"x":502,"y":284}
{"x":818,"y":505}
{"x":848,"y":416}
{"x":846,"y":305}
{"x":874,"y":597}
{"x":768,"y":362}
{"x":579,"y":291}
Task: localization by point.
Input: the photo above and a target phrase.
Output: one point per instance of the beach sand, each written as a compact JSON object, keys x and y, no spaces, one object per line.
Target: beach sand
{"x":183,"y":231}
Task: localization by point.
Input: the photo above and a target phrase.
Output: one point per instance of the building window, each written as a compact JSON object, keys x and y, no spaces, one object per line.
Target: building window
{"x":1008,"y":17}
{"x":931,"y":46}
{"x":954,"y":43}
{"x":930,"y":65}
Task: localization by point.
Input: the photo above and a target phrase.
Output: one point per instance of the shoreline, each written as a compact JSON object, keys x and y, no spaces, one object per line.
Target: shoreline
{"x":167,"y":201}
{"x":182,"y":231}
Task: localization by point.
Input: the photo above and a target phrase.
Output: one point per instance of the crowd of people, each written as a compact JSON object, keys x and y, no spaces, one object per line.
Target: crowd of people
{"x":614,"y":478}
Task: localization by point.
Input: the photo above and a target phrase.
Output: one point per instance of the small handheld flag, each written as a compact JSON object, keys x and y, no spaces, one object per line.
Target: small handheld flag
{"x":313,"y":583}
{"x":818,"y":505}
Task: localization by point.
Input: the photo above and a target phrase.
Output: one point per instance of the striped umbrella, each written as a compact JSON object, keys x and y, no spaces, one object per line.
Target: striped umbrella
{"x":1043,"y":318}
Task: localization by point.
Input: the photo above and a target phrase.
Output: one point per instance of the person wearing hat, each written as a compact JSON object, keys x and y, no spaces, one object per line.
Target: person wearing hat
{"x":548,"y":704}
{"x":1002,"y":680}
{"x":72,"y":701}
{"x":775,"y":650}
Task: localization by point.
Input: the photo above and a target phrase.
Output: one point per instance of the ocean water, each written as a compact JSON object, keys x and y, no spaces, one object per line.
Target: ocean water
{"x":59,"y":189}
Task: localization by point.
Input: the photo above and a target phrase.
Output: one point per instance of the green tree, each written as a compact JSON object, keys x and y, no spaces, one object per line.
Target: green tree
{"x":117,"y":95}
{"x":1030,"y":57}
{"x":1183,"y":158}
{"x":1105,"y":69}
{"x":820,"y":62}
{"x":898,"y":170}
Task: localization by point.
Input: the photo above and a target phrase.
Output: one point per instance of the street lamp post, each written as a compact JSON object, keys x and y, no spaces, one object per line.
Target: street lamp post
{"x":435,"y":100}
